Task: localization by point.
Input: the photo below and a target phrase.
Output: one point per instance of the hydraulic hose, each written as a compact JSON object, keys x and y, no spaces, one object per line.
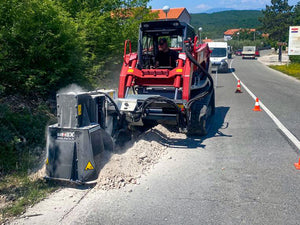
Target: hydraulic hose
{"x":113,"y":102}
{"x":150,"y":100}
{"x":121,"y":116}
{"x":181,"y":119}
{"x":202,"y":95}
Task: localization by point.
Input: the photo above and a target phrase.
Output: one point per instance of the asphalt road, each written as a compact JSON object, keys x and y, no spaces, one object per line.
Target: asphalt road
{"x":242,"y":172}
{"x":279,"y":94}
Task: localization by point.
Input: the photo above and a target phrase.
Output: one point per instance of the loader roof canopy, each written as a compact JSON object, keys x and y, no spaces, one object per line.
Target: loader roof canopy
{"x":167,"y":28}
{"x":173,"y":31}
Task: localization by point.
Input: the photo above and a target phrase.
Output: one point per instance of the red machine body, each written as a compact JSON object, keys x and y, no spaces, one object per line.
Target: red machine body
{"x":179,"y":77}
{"x":181,"y":95}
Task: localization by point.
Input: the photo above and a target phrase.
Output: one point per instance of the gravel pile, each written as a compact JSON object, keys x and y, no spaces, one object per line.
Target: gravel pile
{"x":126,"y":165}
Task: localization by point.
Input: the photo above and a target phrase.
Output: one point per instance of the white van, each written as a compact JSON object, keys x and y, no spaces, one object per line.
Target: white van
{"x":219,"y":55}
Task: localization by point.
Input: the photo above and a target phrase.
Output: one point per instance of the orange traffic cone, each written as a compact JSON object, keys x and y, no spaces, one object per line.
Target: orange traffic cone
{"x":297,"y":165}
{"x":238,"y":87}
{"x":257,"y":106}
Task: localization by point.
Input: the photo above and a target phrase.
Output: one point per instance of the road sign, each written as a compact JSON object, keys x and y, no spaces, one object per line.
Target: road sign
{"x":294,"y":40}
{"x":281,"y":43}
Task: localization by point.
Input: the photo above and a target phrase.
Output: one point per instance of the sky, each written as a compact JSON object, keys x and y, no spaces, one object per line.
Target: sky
{"x":196,"y":6}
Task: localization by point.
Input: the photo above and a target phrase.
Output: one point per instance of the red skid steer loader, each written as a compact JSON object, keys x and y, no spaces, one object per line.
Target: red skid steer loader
{"x":180,"y":94}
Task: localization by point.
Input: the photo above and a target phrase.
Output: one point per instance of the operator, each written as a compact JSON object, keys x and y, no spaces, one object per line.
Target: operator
{"x":166,"y":56}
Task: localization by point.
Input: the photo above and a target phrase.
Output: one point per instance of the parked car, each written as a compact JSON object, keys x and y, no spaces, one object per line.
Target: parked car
{"x":238,"y":52}
{"x":257,"y":54}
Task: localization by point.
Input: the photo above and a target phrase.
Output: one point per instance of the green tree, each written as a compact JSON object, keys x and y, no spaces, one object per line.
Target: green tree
{"x":276,"y":20}
{"x":45,"y":45}
{"x":296,"y":22}
{"x":40,"y":50}
{"x":103,"y":28}
{"x":247,"y":34}
{"x":296,"y":16}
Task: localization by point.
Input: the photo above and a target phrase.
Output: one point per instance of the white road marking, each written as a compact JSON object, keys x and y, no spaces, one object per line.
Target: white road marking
{"x":288,"y":134}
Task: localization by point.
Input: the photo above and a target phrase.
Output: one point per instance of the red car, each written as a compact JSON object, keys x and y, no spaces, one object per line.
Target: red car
{"x":257,"y":54}
{"x":238,"y":52}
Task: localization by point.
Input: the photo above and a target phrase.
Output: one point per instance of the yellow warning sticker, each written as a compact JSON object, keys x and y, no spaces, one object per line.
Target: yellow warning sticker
{"x":111,"y":94}
{"x":47,"y":161}
{"x":79,"y":110}
{"x":89,"y":166}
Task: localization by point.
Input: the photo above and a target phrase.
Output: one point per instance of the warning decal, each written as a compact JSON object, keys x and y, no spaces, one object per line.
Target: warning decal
{"x":89,"y":166}
{"x":79,"y":110}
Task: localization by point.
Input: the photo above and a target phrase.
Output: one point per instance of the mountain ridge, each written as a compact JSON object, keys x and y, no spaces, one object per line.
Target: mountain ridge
{"x":215,"y":24}
{"x":216,"y":10}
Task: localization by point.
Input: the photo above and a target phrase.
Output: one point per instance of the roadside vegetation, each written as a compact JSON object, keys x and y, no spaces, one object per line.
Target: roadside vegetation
{"x":292,"y":69}
{"x":44,"y":46}
{"x":276,"y":20}
{"x":23,"y":192}
{"x":22,"y":143}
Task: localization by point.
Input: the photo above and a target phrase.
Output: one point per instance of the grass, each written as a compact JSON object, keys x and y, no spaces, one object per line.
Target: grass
{"x":22,"y":141}
{"x":292,"y":69}
{"x":21,"y":192}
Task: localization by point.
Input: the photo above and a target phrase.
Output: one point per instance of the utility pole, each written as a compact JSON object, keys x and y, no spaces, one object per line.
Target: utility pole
{"x":279,"y":53}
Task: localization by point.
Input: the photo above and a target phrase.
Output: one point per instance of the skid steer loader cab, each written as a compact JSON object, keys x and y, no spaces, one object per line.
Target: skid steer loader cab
{"x":166,"y":94}
{"x":150,"y":34}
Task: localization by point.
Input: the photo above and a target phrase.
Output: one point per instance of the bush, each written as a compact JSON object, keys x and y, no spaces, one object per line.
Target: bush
{"x":22,"y":136}
{"x":104,"y":37}
{"x":295,"y":58}
{"x":46,"y":45}
{"x":40,"y":48}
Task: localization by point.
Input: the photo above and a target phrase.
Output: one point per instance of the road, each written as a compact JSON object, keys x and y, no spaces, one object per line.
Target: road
{"x":242,"y":172}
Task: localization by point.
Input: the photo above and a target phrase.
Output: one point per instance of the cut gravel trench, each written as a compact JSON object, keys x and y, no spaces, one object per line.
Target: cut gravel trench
{"x":129,"y":163}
